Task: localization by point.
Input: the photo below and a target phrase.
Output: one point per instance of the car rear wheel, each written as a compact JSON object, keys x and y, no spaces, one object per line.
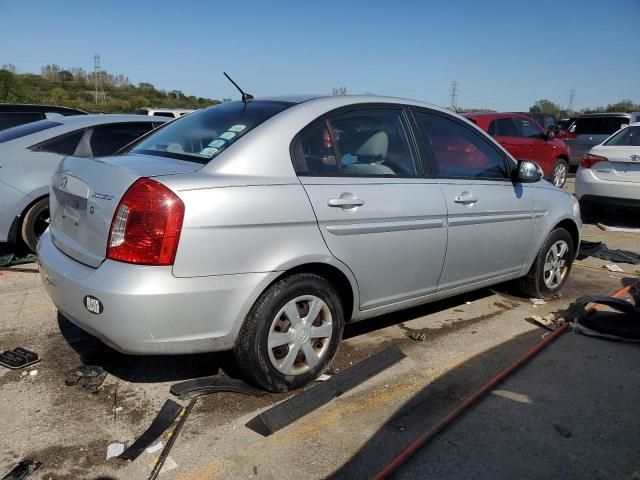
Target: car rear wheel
{"x":560,"y":172}
{"x":551,"y":267}
{"x":291,"y":333}
{"x":35,"y":223}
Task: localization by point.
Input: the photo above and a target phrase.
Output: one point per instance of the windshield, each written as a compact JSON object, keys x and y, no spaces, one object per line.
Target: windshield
{"x":202,"y":135}
{"x":26,"y":129}
{"x":627,"y":137}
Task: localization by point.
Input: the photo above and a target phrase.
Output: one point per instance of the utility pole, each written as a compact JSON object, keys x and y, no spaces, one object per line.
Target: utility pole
{"x":97,"y":79}
{"x":454,"y":95}
{"x":572,"y":96}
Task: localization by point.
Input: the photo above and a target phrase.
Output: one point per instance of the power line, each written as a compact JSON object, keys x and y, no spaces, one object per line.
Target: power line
{"x":572,"y":96}
{"x":454,"y":95}
{"x":97,"y":79}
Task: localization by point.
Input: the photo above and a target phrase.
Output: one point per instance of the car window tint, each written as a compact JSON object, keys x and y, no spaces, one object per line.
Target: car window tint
{"x":164,"y":114}
{"x":64,"y":144}
{"x":506,"y":128}
{"x":368,"y":142}
{"x":628,"y":137}
{"x":107,"y":139}
{"x":529,"y":128}
{"x":458,"y":151}
{"x":549,"y":123}
{"x":12,"y":119}
{"x":314,"y":153}
{"x":599,"y":125}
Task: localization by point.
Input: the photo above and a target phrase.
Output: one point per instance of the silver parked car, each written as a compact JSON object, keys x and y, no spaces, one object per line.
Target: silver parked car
{"x":265,"y":226}
{"x":609,"y":175}
{"x":30,"y":154}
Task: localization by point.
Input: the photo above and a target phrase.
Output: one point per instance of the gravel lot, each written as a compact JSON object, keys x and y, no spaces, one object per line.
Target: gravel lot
{"x":587,"y":387}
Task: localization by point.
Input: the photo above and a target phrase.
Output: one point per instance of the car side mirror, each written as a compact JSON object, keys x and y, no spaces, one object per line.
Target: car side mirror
{"x":528,"y":172}
{"x":551,"y":135}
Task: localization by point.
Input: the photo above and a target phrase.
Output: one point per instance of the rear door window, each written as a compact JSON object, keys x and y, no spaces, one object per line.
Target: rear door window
{"x":107,"y":139}
{"x":599,"y":125}
{"x":503,"y":127}
{"x":459,"y":152}
{"x":367,"y":142}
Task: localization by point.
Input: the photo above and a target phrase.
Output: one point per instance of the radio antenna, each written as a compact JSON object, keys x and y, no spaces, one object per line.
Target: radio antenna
{"x":245,"y":96}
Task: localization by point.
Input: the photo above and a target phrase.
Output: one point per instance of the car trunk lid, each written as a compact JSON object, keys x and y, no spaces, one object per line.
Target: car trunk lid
{"x":85,"y":194}
{"x":623,"y":163}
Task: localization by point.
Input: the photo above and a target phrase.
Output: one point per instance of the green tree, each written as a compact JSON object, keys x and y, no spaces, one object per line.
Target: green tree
{"x":625,"y":105}
{"x":10,"y":90}
{"x":65,"y":76}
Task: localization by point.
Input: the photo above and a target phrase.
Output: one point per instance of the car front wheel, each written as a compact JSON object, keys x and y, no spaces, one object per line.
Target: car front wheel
{"x":551,"y":267}
{"x":291,"y":333}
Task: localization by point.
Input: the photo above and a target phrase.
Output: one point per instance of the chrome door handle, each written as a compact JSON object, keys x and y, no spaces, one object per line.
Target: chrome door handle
{"x":465,"y":198}
{"x":345,"y":202}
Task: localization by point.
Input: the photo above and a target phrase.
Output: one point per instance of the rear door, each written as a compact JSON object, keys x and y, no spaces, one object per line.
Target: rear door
{"x":375,"y":210}
{"x":505,"y":132}
{"x":535,"y":143}
{"x":490,"y":218}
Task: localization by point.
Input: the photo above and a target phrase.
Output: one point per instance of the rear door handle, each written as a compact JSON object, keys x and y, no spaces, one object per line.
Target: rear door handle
{"x":345,"y":202}
{"x":465,"y":198}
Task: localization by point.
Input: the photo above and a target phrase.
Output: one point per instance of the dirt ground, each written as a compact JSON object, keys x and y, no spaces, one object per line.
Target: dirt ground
{"x":571,"y":413}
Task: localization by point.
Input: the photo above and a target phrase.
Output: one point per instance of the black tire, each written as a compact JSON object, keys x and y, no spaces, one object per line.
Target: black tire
{"x":251,"y":350}
{"x":533,"y":284}
{"x":35,"y":222}
{"x":559,"y":167}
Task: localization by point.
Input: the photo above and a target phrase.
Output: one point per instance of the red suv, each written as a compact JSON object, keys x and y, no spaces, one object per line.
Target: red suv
{"x":523,"y":138}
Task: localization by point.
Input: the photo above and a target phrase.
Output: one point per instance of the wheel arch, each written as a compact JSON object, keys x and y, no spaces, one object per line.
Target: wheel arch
{"x":570,"y":226}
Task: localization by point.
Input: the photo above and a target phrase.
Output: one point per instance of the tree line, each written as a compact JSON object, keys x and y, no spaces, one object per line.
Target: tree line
{"x":547,"y":106}
{"x":76,"y":88}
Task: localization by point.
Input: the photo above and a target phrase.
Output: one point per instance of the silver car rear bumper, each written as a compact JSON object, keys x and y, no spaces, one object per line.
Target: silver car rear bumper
{"x":146,"y":310}
{"x":589,"y":185}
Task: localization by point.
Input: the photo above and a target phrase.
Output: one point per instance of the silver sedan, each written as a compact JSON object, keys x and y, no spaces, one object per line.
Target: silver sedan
{"x":264,"y":226}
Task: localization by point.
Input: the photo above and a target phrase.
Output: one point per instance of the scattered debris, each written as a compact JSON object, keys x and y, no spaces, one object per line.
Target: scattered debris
{"x":92,"y":377}
{"x":537,"y":301}
{"x":293,"y":408}
{"x":622,"y":324}
{"x":418,"y":336}
{"x":323,"y":377}
{"x":164,"y":456}
{"x":114,"y":450}
{"x":33,"y":373}
{"x":551,"y":321}
{"x":155,"y":448}
{"x":203,"y":386}
{"x":169,"y":464}
{"x":11,"y":259}
{"x":601,"y":251}
{"x":22,"y":470}
{"x":612,"y":267}
{"x":18,"y":358}
{"x":167,"y":415}
{"x":562,"y":431}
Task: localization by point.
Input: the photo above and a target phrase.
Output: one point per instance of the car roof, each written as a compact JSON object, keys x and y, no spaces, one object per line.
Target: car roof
{"x":492,"y":115}
{"x":98,"y":119}
{"x":606,"y":114}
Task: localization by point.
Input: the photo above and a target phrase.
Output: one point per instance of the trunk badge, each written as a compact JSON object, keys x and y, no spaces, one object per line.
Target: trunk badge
{"x":635,"y":158}
{"x":63,"y":182}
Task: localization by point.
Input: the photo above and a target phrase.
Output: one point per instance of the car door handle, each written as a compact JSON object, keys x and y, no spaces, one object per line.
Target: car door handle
{"x":465,"y":198}
{"x":345,"y":202}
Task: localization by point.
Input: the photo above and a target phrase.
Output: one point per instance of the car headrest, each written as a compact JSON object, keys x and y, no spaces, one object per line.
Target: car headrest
{"x":376,"y":146}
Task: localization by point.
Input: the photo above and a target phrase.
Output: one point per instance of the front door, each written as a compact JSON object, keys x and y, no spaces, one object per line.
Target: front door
{"x":376,"y":213}
{"x":490,"y":218}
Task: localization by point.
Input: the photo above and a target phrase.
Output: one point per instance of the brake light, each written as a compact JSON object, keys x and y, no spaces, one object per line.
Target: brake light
{"x":146,"y":226}
{"x":589,"y":160}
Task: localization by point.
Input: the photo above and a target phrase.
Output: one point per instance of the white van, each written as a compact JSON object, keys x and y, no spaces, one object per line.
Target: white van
{"x":163,"y":112}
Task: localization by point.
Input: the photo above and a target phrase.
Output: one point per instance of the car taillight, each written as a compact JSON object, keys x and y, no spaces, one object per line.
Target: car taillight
{"x":146,"y":226}
{"x":589,"y":160}
{"x":569,"y":135}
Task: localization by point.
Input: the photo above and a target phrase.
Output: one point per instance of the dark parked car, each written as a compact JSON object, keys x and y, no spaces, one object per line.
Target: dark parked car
{"x":14,"y":114}
{"x":592,"y":129}
{"x":526,"y":140}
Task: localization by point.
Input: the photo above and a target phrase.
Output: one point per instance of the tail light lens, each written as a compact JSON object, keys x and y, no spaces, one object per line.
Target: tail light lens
{"x":589,"y":160}
{"x":146,"y":226}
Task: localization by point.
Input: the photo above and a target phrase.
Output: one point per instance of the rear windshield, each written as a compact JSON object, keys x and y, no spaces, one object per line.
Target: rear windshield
{"x":201,"y":136}
{"x":26,"y":129}
{"x":627,"y":137}
{"x":599,"y":125}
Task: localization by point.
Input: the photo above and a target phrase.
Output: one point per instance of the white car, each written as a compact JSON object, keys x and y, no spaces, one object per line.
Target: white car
{"x":609,"y":174}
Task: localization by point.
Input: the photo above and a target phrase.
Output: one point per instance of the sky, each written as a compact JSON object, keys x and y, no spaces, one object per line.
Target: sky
{"x":504,"y":55}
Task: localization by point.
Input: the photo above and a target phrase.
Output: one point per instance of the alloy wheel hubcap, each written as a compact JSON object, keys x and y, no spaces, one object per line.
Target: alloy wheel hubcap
{"x":300,"y":335}
{"x":555,"y":264}
{"x":560,"y":176}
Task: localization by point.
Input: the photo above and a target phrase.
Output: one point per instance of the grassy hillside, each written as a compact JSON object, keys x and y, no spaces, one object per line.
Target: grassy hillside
{"x":56,"y":86}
